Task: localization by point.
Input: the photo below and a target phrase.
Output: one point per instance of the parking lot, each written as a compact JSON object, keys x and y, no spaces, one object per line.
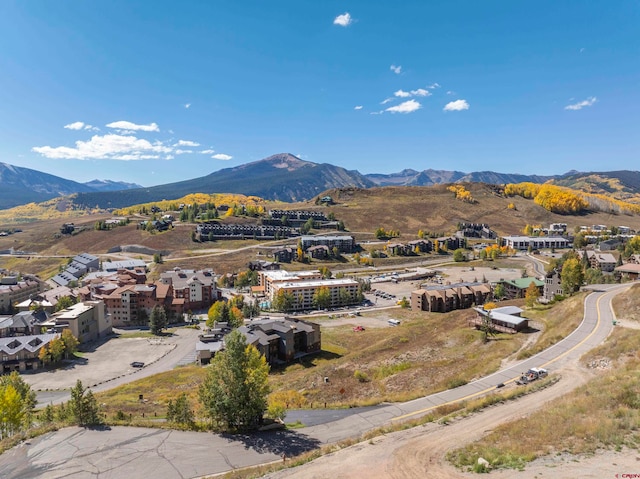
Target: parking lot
{"x":386,"y":292}
{"x":108,"y":360}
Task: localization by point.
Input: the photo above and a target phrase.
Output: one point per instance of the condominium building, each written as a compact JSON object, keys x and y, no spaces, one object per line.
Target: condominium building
{"x":345,"y":244}
{"x":13,"y":291}
{"x":303,"y":286}
{"x":535,"y":242}
{"x":87,"y":321}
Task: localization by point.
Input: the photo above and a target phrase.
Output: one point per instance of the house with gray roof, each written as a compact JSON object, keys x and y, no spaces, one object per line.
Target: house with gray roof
{"x":505,"y":320}
{"x":20,"y":353}
{"x":279,"y":340}
{"x":131,"y":264}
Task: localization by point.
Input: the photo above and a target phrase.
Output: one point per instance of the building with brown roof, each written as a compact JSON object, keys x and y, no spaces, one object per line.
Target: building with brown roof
{"x":630,"y":270}
{"x":197,"y":288}
{"x":445,"y":298}
{"x":130,"y":301}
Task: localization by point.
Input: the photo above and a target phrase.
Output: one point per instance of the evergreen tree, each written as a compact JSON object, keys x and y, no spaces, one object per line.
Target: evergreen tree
{"x":157,"y":320}
{"x":47,"y":416}
{"x":344,"y":298}
{"x":83,"y":406}
{"x":234,"y":392}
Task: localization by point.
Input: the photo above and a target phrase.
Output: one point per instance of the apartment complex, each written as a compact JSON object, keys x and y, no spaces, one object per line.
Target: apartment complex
{"x":13,"y":291}
{"x":87,"y":321}
{"x":344,"y":243}
{"x":197,"y":288}
{"x":605,"y":262}
{"x":129,"y":299}
{"x":304,"y":285}
{"x":445,"y":298}
{"x":535,"y":242}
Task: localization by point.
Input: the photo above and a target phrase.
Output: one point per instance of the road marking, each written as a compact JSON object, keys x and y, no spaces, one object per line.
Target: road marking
{"x":422,"y":411}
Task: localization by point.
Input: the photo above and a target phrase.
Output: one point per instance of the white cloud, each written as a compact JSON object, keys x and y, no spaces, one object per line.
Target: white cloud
{"x":457,"y":105}
{"x":127,"y":125}
{"x":385,"y":101}
{"x":433,"y":86}
{"x":451,"y":92}
{"x":208,"y":152}
{"x":357,"y":107}
{"x":396,"y":69}
{"x":581,"y":104}
{"x":405,"y":107}
{"x":343,"y":20}
{"x":80,"y":125}
{"x":107,"y":147}
{"x":77,"y":125}
{"x":182,"y":152}
{"x":186,"y":143}
{"x":221,"y":156}
{"x":187,"y":105}
{"x":421,"y":92}
{"x":407,"y":94}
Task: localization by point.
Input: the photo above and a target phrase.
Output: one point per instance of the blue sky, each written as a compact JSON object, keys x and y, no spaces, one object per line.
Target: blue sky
{"x":156,"y":92}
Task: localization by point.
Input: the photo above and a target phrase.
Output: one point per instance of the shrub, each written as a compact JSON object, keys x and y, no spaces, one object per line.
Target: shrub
{"x":361,"y":376}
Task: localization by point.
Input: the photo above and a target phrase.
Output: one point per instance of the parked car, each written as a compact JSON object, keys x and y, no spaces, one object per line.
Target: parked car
{"x":531,"y":375}
{"x":137,"y":364}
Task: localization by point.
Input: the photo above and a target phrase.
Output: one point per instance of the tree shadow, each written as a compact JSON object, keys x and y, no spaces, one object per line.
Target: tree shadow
{"x":98,"y":427}
{"x":529,"y":330}
{"x":276,"y":442}
{"x":307,"y":361}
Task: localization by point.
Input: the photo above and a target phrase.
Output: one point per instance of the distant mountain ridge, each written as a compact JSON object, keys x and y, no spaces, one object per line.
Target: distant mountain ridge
{"x":108,"y":185}
{"x":283,"y":177}
{"x":20,"y":185}
{"x":434,"y":177}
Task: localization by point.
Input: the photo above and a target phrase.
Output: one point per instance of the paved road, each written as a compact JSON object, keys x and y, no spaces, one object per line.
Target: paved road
{"x":138,"y":453}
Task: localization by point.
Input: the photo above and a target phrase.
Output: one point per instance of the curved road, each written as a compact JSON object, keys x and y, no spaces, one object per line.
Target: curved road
{"x":141,"y":452}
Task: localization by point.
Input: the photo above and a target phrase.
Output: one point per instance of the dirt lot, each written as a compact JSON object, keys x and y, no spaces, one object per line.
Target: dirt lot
{"x":109,"y":360}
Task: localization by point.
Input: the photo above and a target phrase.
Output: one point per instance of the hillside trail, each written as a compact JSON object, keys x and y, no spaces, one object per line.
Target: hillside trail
{"x":420,"y":452}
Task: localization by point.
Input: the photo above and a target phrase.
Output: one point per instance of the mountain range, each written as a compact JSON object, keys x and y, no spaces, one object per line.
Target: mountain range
{"x":283,"y":177}
{"x":23,"y":185}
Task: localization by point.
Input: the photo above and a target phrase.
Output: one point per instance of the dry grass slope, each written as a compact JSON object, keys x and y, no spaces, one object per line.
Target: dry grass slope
{"x":604,"y":413}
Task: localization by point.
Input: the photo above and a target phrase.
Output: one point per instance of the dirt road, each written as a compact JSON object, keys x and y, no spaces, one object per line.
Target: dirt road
{"x":420,"y":452}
